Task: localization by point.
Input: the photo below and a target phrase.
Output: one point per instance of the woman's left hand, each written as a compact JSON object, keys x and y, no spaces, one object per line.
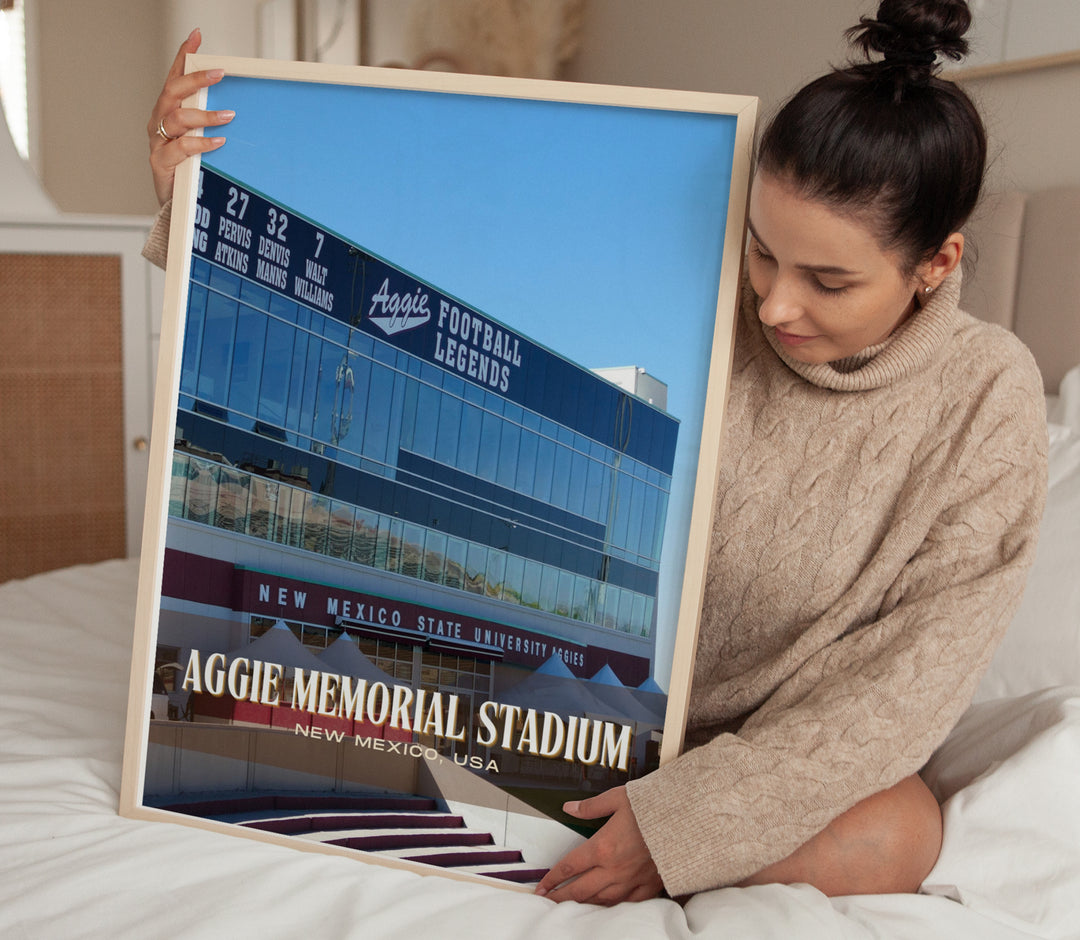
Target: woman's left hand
{"x":613,"y":866}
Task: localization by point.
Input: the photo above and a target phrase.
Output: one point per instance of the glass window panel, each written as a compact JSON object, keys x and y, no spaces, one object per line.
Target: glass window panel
{"x":201,"y":492}
{"x":309,"y":389}
{"x":496,"y":573}
{"x":453,"y":384}
{"x":475,"y":568}
{"x":431,"y":374}
{"x":224,"y":281}
{"x":280,"y":307}
{"x":637,"y":511}
{"x":279,"y":507}
{"x":215,"y":357}
{"x":456,"y":551}
{"x":637,"y":616}
{"x":275,"y":373}
{"x":246,"y":372}
{"x":494,"y":403}
{"x":385,"y":354}
{"x":333,"y":363}
{"x":178,"y":484}
{"x":297,"y":371}
{"x":549,"y":587}
{"x":377,"y":417}
{"x":449,"y":430}
{"x":593,"y":506}
{"x":412,"y":550}
{"x":350,"y":405}
{"x":564,"y":599}
{"x":335,"y":330}
{"x":382,"y":542}
{"x":647,"y":535}
{"x":394,"y":545}
{"x":525,"y":476}
{"x":530,"y":585}
{"x":650,"y":612}
{"x":609,"y":608}
{"x":579,"y":476}
{"x":515,"y":573}
{"x":474,"y":394}
{"x":341,"y":529}
{"x":254,"y":295}
{"x":427,"y":424}
{"x":316,"y":522}
{"x":580,"y":609}
{"x":469,"y":443}
{"x":490,"y":435}
{"x":545,"y":469}
{"x":560,"y":478}
{"x":196,"y":313}
{"x":626,"y":607}
{"x":232,"y":499}
{"x":617,"y":532}
{"x":506,"y":471}
{"x":393,"y":430}
{"x":434,"y":557}
{"x":293,"y":508}
{"x":408,"y":413}
{"x":661,"y":523}
{"x":365,"y":534}
{"x":262,"y":508}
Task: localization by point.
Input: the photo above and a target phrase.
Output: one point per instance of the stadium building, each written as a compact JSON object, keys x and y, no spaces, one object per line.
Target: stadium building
{"x":357,"y":451}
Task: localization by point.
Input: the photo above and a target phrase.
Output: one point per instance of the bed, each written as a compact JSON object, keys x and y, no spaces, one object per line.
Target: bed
{"x":72,"y":867}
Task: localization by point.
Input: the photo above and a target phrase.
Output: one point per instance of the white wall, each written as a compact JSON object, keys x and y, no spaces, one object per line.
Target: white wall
{"x":769,"y":48}
{"x":102,"y":64}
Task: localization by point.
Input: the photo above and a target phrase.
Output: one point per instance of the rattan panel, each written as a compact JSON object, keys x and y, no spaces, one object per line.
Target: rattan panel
{"x":61,"y":412}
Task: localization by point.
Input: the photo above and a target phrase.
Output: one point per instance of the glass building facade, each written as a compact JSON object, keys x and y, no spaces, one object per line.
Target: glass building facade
{"x":448,"y":449}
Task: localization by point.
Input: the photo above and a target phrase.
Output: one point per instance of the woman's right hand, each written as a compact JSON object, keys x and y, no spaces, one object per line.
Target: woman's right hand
{"x":169,"y":122}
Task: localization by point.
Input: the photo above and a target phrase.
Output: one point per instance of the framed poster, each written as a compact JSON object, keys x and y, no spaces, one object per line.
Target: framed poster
{"x":430,"y":495}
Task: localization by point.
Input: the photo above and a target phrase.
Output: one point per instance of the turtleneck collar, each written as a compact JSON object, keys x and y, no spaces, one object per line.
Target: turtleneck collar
{"x":910,"y":348}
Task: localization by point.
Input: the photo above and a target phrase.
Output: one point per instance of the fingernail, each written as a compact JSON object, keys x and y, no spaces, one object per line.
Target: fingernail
{"x":225,"y":116}
{"x":572,"y":806}
{"x":217,"y":141}
{"x":541,"y":892}
{"x":215,"y":74}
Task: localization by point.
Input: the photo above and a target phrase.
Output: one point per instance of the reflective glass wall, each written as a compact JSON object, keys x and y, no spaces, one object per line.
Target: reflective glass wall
{"x":295,"y":428}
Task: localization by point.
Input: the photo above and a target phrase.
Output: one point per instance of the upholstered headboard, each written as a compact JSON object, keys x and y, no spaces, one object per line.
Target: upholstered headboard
{"x":1026,"y":252}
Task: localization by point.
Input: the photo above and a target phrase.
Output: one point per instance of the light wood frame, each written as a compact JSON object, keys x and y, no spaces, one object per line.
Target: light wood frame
{"x":734,"y":183}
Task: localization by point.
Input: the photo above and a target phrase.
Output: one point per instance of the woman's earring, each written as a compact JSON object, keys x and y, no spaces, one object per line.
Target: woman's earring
{"x":928,"y":289}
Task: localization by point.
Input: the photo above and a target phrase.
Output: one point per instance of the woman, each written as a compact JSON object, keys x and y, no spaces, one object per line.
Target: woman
{"x":882,"y":481}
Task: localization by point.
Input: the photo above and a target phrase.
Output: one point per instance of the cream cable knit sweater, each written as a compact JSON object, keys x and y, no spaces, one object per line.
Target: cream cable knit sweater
{"x":875,"y":523}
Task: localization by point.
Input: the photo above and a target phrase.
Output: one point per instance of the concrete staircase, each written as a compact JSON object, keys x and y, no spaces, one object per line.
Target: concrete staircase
{"x":405,"y":827}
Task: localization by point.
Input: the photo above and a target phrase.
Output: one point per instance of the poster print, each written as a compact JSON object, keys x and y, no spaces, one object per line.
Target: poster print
{"x":430,"y":489}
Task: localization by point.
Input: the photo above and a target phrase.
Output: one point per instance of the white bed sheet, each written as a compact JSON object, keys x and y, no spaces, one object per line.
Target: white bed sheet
{"x":71,"y":867}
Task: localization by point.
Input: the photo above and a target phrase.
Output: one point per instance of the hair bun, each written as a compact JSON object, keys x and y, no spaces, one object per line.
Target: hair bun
{"x":913,"y":33}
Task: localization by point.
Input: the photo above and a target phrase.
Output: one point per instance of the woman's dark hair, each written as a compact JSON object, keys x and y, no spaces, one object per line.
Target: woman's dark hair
{"x":887,"y":139}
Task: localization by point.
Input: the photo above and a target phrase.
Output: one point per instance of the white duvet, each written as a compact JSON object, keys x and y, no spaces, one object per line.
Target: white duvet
{"x":71,"y":867}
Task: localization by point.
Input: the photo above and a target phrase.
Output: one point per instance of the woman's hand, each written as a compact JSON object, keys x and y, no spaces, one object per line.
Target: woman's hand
{"x":614,"y":865}
{"x":169,"y":122}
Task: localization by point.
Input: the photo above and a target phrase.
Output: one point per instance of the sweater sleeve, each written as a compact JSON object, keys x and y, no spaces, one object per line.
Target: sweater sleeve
{"x":869,"y":709}
{"x":156,"y":249}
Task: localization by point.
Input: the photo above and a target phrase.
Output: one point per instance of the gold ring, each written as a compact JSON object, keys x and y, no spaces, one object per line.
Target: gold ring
{"x":162,"y":133}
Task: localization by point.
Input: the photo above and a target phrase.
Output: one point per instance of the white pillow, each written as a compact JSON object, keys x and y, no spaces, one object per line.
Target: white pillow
{"x":1042,"y":645}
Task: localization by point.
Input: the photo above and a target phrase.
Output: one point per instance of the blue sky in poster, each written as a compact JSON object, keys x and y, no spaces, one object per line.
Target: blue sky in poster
{"x":596,"y":230}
